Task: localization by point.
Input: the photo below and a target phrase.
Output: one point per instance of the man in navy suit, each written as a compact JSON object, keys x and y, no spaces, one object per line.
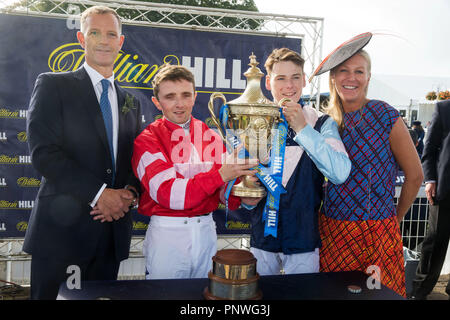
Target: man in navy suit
{"x":436,"y":168}
{"x":81,"y":127}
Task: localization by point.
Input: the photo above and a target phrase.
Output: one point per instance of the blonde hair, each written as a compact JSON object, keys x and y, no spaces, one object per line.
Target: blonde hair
{"x":98,"y":10}
{"x":335,"y":107}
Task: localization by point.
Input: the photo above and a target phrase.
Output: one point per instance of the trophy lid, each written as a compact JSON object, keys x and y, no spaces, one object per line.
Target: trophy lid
{"x":253,"y":94}
{"x":234,"y":257}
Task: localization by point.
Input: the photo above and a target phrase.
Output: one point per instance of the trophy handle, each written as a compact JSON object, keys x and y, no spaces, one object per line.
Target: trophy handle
{"x":282,"y":101}
{"x":281,"y":104}
{"x":213,"y":115}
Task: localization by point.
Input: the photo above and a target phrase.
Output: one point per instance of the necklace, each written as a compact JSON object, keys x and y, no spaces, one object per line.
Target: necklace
{"x":350,"y":119}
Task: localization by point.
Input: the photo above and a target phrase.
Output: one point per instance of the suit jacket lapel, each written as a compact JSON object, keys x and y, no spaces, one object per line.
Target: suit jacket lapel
{"x":122,"y":125}
{"x":91,"y":105}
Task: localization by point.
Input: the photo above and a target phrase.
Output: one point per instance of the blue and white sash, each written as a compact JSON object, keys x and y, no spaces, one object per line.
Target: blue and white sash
{"x":270,"y":175}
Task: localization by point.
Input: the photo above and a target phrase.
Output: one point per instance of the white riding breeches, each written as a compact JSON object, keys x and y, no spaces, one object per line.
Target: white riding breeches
{"x":179,"y":247}
{"x":274,"y":263}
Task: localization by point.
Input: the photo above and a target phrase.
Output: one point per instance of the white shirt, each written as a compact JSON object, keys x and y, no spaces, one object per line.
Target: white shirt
{"x":184,"y":126}
{"x":96,"y":79}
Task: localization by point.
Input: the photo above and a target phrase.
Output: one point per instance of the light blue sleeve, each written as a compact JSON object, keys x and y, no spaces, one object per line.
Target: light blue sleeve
{"x":248,"y":207}
{"x":326,"y":150}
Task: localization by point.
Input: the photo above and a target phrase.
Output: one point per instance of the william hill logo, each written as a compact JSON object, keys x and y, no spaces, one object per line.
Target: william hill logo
{"x":28,"y":182}
{"x":3,"y":137}
{"x":13,"y":114}
{"x":3,"y":182}
{"x":4,"y":204}
{"x":26,"y":204}
{"x":22,"y":226}
{"x":210,"y":123}
{"x":18,"y":204}
{"x":237,"y":225}
{"x":22,"y":136}
{"x":5,"y":159}
{"x":139,"y":225}
{"x":129,"y":70}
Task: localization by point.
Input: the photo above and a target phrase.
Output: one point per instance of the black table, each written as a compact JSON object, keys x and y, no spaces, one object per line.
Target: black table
{"x":313,"y":286}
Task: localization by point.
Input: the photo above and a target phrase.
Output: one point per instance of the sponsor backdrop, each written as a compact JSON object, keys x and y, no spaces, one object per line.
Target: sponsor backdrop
{"x":32,"y":45}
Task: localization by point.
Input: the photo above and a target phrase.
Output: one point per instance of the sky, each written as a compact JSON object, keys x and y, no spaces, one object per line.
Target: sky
{"x":413,"y":59}
{"x":418,"y":45}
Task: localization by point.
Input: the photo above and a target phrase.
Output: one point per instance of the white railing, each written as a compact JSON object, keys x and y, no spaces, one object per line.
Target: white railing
{"x":15,"y":264}
{"x":414,"y":226}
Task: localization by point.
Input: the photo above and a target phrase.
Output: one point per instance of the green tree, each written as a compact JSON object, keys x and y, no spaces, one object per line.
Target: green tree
{"x":203,"y":20}
{"x":179,"y":18}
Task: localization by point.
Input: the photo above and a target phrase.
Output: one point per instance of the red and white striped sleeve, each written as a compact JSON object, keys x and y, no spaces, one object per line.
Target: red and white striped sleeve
{"x":162,"y":181}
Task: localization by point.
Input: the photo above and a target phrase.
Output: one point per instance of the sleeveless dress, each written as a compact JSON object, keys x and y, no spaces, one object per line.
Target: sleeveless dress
{"x":358,"y":225}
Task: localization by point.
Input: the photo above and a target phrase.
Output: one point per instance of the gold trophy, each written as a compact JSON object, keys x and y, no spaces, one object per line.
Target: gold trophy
{"x":251,"y":118}
{"x":233,"y":276}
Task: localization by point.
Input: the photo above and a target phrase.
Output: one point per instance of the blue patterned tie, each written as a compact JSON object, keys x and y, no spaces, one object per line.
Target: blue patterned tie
{"x":107,"y":118}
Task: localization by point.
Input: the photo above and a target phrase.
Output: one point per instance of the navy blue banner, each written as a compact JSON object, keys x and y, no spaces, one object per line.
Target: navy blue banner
{"x":32,"y":45}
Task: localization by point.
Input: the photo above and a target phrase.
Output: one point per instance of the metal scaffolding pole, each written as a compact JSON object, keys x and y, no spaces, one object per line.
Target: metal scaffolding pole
{"x":308,"y":29}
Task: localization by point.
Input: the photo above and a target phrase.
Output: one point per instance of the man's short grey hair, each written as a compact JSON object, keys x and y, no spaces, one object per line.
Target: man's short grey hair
{"x":98,"y":10}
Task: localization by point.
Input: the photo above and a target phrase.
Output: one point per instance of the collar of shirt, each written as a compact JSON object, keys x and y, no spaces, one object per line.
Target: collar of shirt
{"x":184,"y":126}
{"x":96,"y":77}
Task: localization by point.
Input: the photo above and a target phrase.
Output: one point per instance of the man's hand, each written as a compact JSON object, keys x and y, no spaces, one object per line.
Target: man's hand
{"x":430,"y":191}
{"x":293,"y":113}
{"x":112,"y":204}
{"x":234,"y":167}
{"x":250,"y":201}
